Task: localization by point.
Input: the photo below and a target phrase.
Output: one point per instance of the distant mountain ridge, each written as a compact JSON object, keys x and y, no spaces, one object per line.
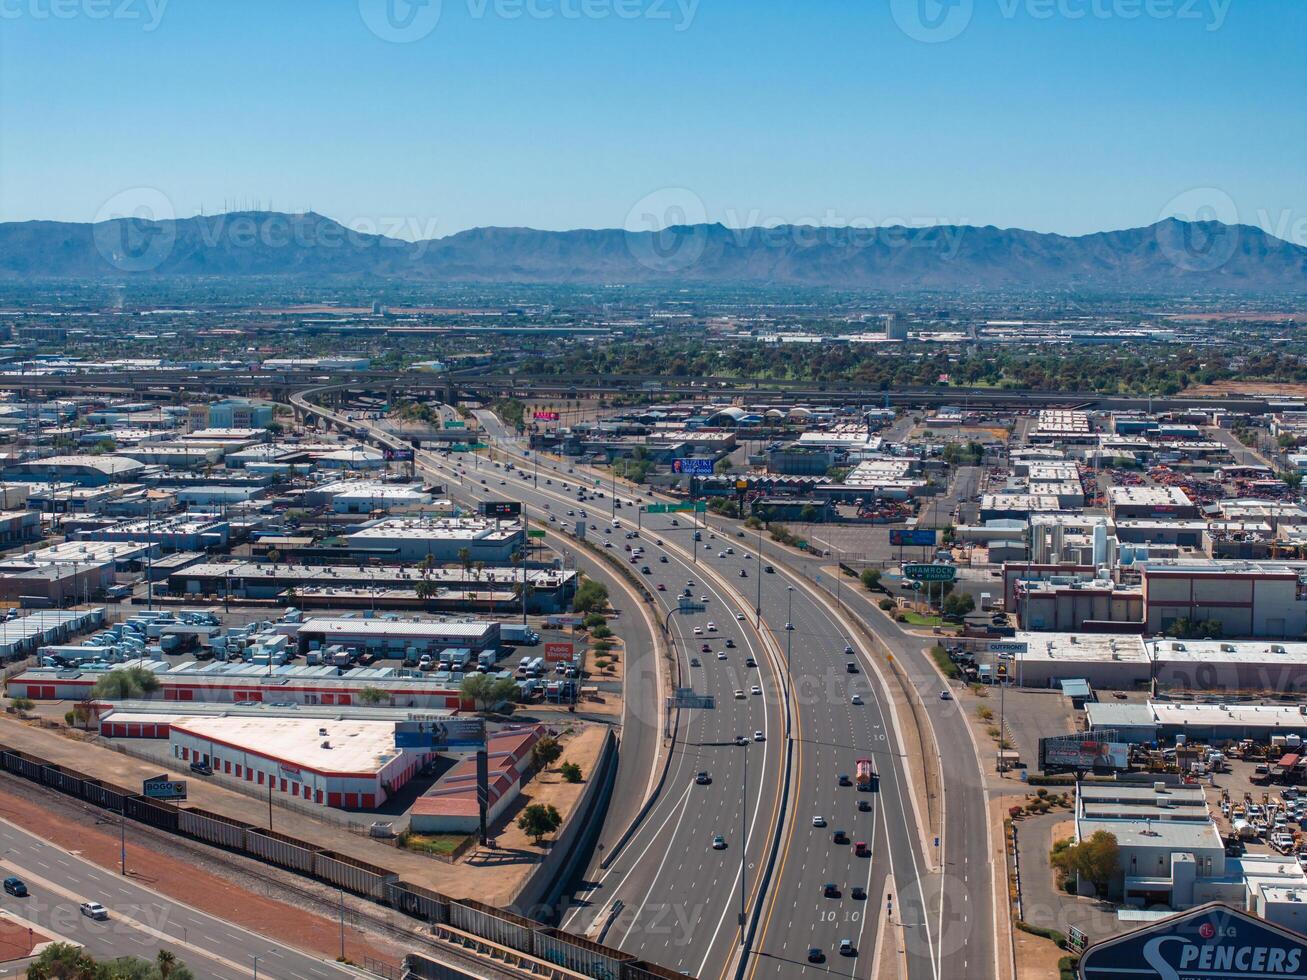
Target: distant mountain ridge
{"x":1171,"y":254}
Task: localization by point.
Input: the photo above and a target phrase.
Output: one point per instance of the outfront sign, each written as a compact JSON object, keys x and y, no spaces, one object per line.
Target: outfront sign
{"x":163,"y":788}
{"x":692,"y":467}
{"x":1211,"y":942}
{"x":915,"y":537}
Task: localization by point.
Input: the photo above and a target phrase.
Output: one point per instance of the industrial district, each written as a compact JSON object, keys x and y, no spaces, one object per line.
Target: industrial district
{"x":322,"y":661}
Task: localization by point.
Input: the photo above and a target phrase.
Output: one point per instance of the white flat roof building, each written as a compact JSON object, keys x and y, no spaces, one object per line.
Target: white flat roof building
{"x":442,"y":538}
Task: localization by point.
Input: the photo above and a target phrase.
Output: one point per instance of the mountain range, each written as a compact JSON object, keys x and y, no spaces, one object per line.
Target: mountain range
{"x":1169,"y":255}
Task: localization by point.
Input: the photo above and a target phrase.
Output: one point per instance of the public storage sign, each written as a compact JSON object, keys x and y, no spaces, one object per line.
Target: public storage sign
{"x":1211,"y":942}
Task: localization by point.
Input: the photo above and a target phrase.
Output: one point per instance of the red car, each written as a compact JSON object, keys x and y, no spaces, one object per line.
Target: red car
{"x":661,"y":587}
{"x":706,"y":648}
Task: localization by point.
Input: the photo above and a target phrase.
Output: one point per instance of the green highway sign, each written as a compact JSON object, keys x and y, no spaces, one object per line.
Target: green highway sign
{"x":455,"y":425}
{"x":535,"y":534}
{"x":656,"y":509}
{"x":930,"y":573}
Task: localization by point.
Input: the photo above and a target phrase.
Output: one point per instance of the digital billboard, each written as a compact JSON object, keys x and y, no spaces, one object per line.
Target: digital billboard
{"x":163,"y":788}
{"x":546,"y":416}
{"x":501,"y":508}
{"x":446,"y":733}
{"x":692,"y":467}
{"x":398,"y":455}
{"x":1082,"y":754}
{"x":912,"y":537}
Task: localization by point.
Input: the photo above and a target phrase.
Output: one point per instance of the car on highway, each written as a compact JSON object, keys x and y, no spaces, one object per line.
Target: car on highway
{"x":945,"y":696}
{"x":658,"y":542}
{"x":94,"y":910}
{"x":705,"y":648}
{"x":739,"y":695}
{"x":847,"y":948}
{"x":741,"y":739}
{"x":662,"y":559}
{"x":703,"y":779}
{"x":646,"y":570}
{"x":768,"y":569}
{"x":16,"y":887}
{"x":743,"y":573}
{"x":718,"y":842}
{"x":661,"y":587}
{"x":712,"y":627}
{"x":740,"y":617}
{"x":730,"y":644}
{"x":860,"y":850}
{"x":698,"y":631}
{"x":755,"y":689}
{"x":851,"y":667}
{"x":758,"y":736}
{"x":858,"y":893}
{"x":750,"y":662}
{"x":840,"y":837}
{"x":819,"y":821}
{"x":815,"y":955}
{"x":703,"y":599}
{"x":721,"y":554}
{"x":856,"y":699}
{"x":844,"y":779}
{"x":721,"y":655}
{"x":830,"y":890}
{"x":848,"y":650}
{"x":695,"y":662}
{"x":864,"y":806}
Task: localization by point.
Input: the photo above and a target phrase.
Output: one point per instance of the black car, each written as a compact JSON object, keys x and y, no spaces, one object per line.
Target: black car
{"x":845,"y":780}
{"x":864,"y":806}
{"x":859,"y":893}
{"x":201,"y":768}
{"x":830,"y":890}
{"x":851,"y":668}
{"x":703,"y":779}
{"x":815,"y":955}
{"x":840,"y":837}
{"x":768,"y":569}
{"x":16,"y":887}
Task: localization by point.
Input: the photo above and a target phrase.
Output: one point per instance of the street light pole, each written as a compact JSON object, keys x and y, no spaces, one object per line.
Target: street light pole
{"x":744,"y":837}
{"x":757,"y":605}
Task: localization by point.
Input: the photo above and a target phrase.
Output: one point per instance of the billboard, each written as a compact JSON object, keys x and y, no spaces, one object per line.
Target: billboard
{"x":692,"y":467}
{"x":398,"y":455}
{"x":500,"y":508}
{"x":1211,"y":942}
{"x":1082,"y":753}
{"x":559,"y":652}
{"x":546,"y":416}
{"x":930,"y":573}
{"x":163,"y":788}
{"x":445,"y":733}
{"x":912,"y":537}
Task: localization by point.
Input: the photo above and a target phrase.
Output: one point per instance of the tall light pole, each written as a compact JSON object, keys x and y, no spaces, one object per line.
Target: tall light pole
{"x":744,"y":836}
{"x":757,"y":605}
{"x":789,"y":630}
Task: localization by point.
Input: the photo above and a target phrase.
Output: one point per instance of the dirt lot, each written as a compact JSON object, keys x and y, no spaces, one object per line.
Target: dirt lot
{"x":1254,"y":388}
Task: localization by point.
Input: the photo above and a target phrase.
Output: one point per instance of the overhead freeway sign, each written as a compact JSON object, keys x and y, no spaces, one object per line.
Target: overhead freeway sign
{"x":685,"y":697}
{"x":930,"y":573}
{"x":697,"y":507}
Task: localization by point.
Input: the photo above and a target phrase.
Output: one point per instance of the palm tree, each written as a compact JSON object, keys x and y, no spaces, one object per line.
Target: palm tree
{"x":465,"y":556}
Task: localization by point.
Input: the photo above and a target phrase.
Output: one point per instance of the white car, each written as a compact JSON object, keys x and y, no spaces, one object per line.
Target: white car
{"x":739,"y":695}
{"x":758,"y":736}
{"x":721,"y":554}
{"x":94,"y":910}
{"x":721,"y":655}
{"x":698,"y":631}
{"x":740,"y":617}
{"x":712,"y":627}
{"x":755,"y":689}
{"x":819,"y":821}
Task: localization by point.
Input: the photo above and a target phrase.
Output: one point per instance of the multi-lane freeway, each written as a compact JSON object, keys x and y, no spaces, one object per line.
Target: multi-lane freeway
{"x":671,"y":895}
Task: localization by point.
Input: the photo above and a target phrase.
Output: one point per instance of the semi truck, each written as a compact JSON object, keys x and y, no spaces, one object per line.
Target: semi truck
{"x":866,"y":776}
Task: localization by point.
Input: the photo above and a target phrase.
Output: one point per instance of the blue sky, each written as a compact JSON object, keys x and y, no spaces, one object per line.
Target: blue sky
{"x":1057,"y":115}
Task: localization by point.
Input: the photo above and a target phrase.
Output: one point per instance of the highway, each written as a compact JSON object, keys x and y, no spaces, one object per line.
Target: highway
{"x":831,"y":733}
{"x":679,"y":895}
{"x":141,"y":921}
{"x":658,"y":920}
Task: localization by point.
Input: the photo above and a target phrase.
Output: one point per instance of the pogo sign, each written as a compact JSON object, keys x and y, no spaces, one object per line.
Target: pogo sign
{"x":1211,"y":942}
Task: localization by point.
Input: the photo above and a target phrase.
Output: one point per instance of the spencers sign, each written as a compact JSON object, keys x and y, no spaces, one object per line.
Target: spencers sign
{"x":1211,"y":942}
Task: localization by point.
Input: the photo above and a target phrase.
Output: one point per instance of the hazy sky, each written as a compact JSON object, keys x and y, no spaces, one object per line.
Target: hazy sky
{"x":1055,"y":115}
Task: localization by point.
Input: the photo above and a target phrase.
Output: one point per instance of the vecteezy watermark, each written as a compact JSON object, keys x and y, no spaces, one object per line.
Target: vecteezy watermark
{"x":148,"y":12}
{"x":666,"y":231}
{"x":1206,"y":234}
{"x":406,"y":21}
{"x":935,"y":21}
{"x":134,"y":230}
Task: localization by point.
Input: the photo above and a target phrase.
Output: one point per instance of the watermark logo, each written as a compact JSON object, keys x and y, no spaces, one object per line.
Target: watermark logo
{"x":135,"y":231}
{"x":932,"y":21}
{"x":666,"y":231}
{"x":400,"y":21}
{"x":148,"y":13}
{"x":1206,"y":234}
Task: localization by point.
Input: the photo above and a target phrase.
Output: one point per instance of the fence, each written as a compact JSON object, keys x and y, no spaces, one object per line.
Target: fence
{"x":498,"y":926}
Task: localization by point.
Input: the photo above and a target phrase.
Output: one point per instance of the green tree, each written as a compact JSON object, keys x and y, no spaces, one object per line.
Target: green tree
{"x":426,"y":590}
{"x":465,"y":559}
{"x":591,"y":597}
{"x":538,"y":820}
{"x":22,"y":704}
{"x":958,"y":604}
{"x":125,"y":683}
{"x":373,"y":695}
{"x":571,"y":772}
{"x":486,"y":691}
{"x":1095,"y":860}
{"x":545,"y":753}
{"x":870,"y":578}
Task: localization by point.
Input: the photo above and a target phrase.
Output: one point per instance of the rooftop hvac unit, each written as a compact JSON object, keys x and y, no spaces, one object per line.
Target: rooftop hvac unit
{"x":326,"y":744}
{"x":1178,"y":646}
{"x":1227,"y":648}
{"x":322,"y":731}
{"x":1277,"y":648}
